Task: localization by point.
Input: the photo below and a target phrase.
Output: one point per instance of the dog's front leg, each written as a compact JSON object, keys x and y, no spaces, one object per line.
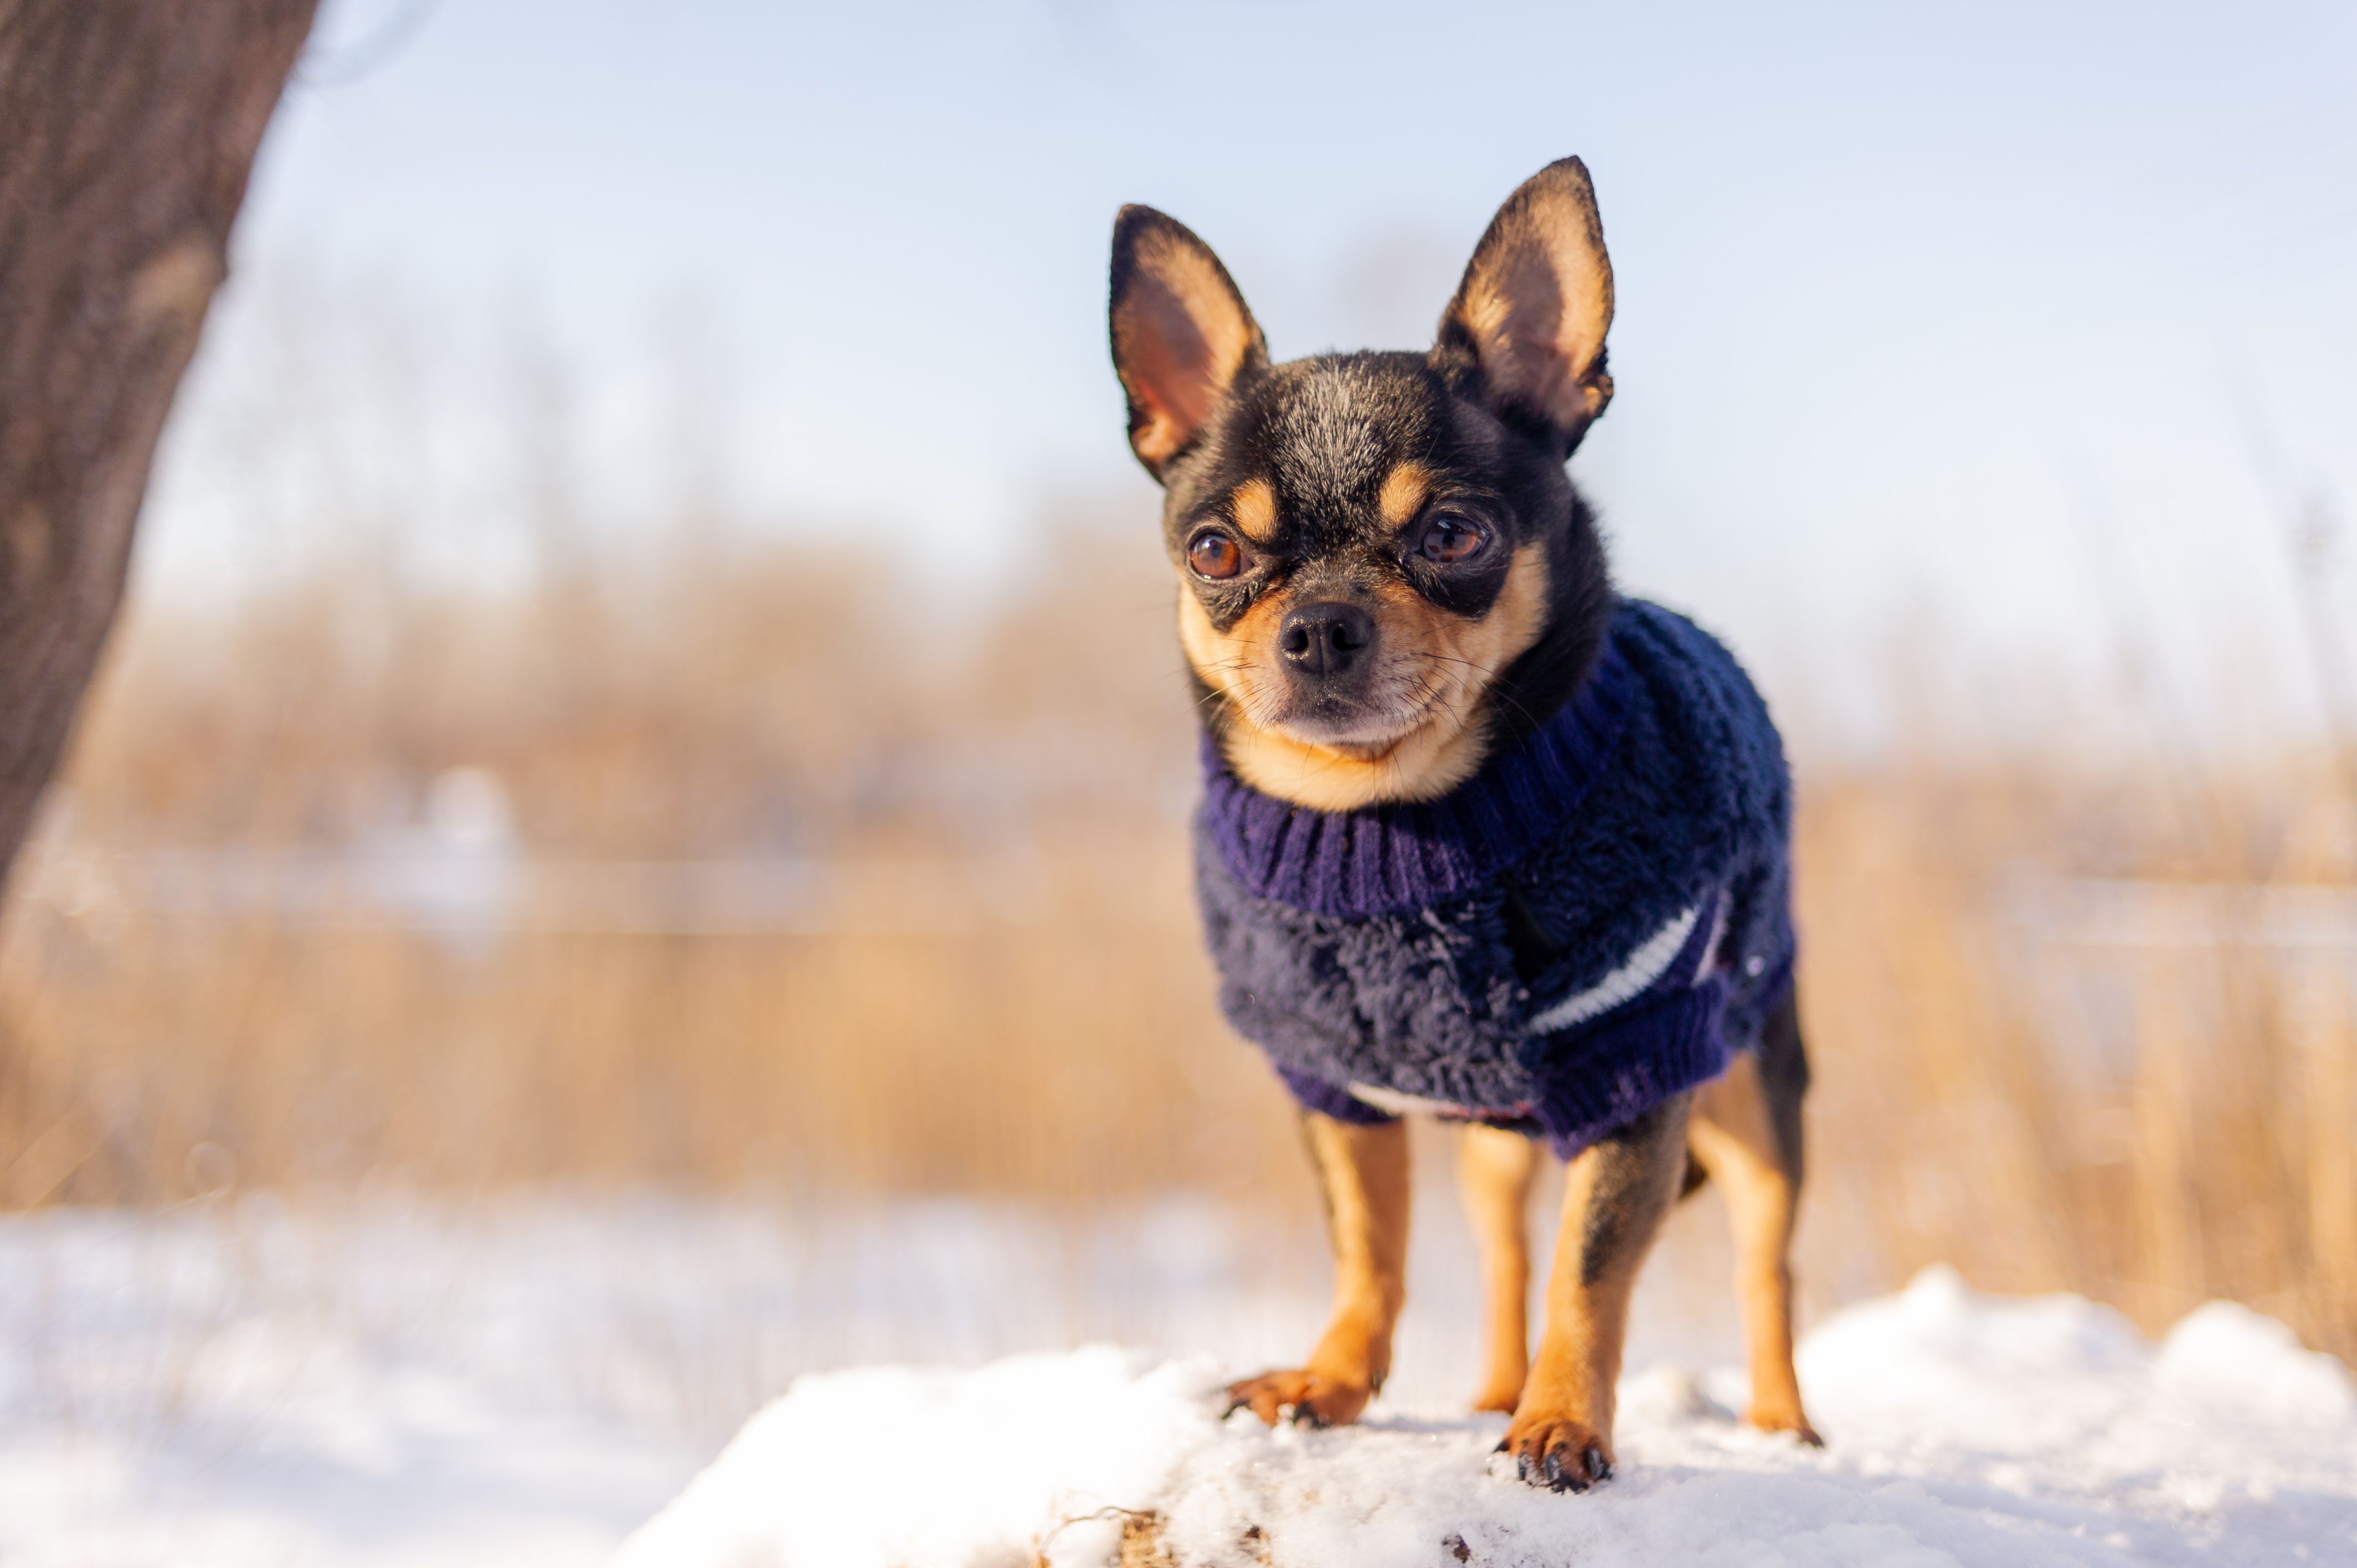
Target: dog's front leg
{"x":1496,"y":1168}
{"x":1616,"y":1192}
{"x":1365,"y":1173}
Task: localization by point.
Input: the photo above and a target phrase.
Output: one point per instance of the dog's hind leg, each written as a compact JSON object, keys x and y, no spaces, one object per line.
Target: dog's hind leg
{"x":1616,"y":1193}
{"x":1495,"y":1169}
{"x":1365,"y":1173}
{"x":1746,"y":1131}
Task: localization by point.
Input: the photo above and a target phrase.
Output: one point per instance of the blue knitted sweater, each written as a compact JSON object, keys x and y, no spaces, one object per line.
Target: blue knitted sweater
{"x":1589,"y":925}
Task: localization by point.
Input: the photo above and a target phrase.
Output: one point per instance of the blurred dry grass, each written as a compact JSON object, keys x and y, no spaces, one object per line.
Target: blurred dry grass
{"x":2153,"y":1112}
{"x":1003,"y":992}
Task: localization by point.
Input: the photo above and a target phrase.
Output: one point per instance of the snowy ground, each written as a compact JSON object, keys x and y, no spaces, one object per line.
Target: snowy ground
{"x":1965,"y":1430}
{"x":524,"y":1381}
{"x":527,"y":1381}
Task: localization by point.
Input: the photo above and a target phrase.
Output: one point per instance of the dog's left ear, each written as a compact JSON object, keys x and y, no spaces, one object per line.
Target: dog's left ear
{"x":1181,"y":336}
{"x":1536,"y":302}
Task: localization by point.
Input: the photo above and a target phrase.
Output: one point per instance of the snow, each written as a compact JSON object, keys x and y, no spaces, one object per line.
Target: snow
{"x":1964,"y":1430}
{"x":522,"y":1380}
{"x":528,"y":1380}
{"x":263,"y":1385}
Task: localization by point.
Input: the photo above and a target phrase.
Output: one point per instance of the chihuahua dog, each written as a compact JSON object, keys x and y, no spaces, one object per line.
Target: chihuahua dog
{"x":1481,"y":838}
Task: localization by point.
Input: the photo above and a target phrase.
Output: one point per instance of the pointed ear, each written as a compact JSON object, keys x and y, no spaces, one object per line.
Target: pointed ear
{"x":1537,"y":302}
{"x":1181,"y":336}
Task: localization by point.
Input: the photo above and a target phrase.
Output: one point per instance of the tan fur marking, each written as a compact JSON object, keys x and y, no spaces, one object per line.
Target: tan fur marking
{"x":1450,"y":660}
{"x":1730,"y":1135}
{"x":1537,"y":298}
{"x":1429,"y":762}
{"x":1495,"y":1170}
{"x":1240,"y":661}
{"x":1252,"y":506}
{"x":1403,"y":490}
{"x":1518,"y":304}
{"x":1365,"y":1172}
{"x":1182,"y":340}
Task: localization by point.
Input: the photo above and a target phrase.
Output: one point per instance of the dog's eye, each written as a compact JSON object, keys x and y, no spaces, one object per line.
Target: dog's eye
{"x":1215,"y":556}
{"x":1450,"y":539}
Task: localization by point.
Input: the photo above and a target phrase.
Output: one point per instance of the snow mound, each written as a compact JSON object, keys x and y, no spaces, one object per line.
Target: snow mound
{"x":1965,"y":1430}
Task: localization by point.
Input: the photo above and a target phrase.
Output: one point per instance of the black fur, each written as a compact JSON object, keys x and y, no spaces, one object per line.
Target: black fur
{"x":1637,"y":1180}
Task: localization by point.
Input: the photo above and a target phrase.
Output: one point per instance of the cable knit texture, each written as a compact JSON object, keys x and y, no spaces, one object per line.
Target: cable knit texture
{"x":1589,"y":926}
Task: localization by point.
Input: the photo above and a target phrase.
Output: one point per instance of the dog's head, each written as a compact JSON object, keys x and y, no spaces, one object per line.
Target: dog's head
{"x":1385,"y":571}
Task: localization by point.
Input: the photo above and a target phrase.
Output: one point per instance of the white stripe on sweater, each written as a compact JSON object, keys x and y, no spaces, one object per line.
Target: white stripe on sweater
{"x":1398,"y":1104}
{"x":1647,"y":964}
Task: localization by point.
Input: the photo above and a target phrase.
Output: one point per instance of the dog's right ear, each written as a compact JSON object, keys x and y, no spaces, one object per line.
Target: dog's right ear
{"x":1181,"y":336}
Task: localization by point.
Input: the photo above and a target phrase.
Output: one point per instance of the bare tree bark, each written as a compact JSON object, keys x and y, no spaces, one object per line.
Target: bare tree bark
{"x":127,"y":130}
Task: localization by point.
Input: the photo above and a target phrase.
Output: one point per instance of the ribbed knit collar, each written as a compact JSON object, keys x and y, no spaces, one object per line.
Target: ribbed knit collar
{"x":1403,"y":855}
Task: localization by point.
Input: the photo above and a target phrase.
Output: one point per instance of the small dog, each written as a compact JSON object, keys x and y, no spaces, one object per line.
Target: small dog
{"x":1479,"y":837}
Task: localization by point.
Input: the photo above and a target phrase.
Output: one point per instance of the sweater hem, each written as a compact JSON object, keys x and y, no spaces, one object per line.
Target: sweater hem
{"x":1631,"y":1064}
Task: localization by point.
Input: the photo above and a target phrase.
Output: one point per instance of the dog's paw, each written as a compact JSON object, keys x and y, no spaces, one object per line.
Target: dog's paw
{"x":1307,"y":1397}
{"x":1558,"y":1453}
{"x":1786,"y":1420}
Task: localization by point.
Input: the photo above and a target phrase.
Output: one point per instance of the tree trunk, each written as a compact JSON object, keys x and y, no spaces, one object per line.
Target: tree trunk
{"x":127,"y":128}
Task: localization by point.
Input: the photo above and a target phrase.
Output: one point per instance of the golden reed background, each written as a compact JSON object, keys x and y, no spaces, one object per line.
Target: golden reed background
{"x":2066,"y":1034}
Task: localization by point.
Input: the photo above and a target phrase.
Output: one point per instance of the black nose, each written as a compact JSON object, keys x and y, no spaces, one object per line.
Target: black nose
{"x":1324,"y":640}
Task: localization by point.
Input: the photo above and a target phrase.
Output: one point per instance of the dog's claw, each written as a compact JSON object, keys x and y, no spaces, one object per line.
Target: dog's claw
{"x":1791,"y":1422}
{"x":1562,"y":1455}
{"x":1561,"y":1477}
{"x":1304,"y":1398}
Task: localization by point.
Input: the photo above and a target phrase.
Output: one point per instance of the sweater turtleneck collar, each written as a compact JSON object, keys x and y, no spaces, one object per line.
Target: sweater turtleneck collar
{"x":1403,"y":855}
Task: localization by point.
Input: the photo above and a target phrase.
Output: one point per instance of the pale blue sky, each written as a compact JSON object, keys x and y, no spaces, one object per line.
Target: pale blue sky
{"x":1907,"y":294}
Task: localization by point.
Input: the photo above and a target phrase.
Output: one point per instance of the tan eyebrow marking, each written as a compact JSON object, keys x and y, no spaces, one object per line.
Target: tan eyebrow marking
{"x":1403,"y":490}
{"x":1253,"y":505}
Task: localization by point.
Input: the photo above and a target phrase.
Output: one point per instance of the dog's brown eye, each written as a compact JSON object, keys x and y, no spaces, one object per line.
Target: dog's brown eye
{"x":1215,"y":556}
{"x":1449,"y":539}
